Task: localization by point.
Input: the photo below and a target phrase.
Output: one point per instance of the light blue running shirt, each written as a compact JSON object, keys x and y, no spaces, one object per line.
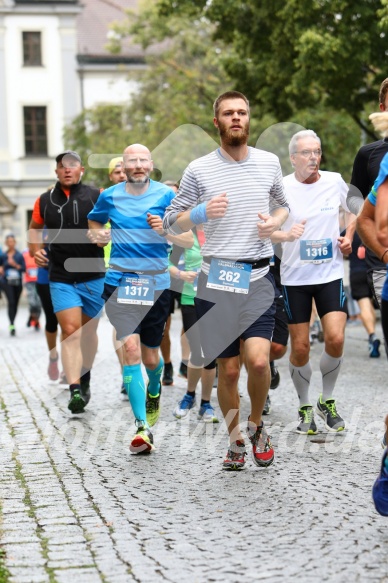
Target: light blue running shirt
{"x":135,"y":246}
{"x":383,"y":173}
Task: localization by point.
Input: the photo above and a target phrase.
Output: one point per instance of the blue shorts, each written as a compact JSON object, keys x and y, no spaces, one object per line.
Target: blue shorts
{"x":224,"y":317}
{"x":85,"y":295}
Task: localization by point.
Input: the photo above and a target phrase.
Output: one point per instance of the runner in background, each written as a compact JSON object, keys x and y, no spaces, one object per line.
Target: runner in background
{"x":12,"y":267}
{"x":165,"y":347}
{"x":30,"y":279}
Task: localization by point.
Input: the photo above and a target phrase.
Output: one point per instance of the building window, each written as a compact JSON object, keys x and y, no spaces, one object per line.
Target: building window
{"x":32,"y":51}
{"x":35,"y":131}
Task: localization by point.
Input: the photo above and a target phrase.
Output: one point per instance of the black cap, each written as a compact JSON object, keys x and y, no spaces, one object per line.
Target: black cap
{"x":69,"y":153}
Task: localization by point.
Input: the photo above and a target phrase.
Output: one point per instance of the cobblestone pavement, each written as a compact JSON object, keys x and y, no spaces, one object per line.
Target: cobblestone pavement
{"x":77,"y":506}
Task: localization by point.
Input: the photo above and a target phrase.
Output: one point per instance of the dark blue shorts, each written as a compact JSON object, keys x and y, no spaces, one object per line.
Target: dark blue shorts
{"x":147,"y":321}
{"x":225,"y":317}
{"x":280,"y":333}
{"x":298,"y":300}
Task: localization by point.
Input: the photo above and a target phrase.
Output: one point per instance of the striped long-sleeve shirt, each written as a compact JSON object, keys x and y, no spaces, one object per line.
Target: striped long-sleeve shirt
{"x":253,"y":185}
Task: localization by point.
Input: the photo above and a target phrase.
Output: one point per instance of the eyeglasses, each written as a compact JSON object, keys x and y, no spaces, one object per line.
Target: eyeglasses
{"x":309,"y":153}
{"x":131,"y":162}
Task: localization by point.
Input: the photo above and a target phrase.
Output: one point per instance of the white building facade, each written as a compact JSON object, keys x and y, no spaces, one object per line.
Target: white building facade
{"x":53,"y":63}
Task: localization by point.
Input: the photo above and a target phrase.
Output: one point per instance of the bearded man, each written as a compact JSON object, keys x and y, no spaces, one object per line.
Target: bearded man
{"x":237,"y":193}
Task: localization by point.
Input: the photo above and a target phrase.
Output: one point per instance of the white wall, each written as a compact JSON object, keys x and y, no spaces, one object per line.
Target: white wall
{"x":29,"y":86}
{"x":107,"y":87}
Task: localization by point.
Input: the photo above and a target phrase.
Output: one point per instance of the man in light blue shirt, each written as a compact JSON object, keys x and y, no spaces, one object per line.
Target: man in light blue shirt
{"x":137,"y":281}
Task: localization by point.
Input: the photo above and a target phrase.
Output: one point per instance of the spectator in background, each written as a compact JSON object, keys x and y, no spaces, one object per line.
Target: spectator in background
{"x":12,"y":266}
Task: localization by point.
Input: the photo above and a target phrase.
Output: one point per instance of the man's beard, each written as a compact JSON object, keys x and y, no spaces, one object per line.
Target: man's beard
{"x":230,"y":138}
{"x":133,"y":180}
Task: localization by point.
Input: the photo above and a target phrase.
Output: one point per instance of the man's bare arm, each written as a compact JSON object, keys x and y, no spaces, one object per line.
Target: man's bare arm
{"x":35,"y":237}
{"x":186,"y":220}
{"x":98,"y":233}
{"x":381,"y":218}
{"x":186,"y":240}
{"x":366,"y":228}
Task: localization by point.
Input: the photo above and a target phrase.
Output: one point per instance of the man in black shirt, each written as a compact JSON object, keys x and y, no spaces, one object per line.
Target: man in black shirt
{"x":76,"y":270}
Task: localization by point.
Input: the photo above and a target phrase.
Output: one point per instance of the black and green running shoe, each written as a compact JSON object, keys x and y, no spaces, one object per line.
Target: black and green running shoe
{"x":76,"y":403}
{"x":85,"y":390}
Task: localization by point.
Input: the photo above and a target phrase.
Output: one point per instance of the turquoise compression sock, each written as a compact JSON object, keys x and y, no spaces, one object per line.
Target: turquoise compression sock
{"x":154,"y":378}
{"x":135,"y":388}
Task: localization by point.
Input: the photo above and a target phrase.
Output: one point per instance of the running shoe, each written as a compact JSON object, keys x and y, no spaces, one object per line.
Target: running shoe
{"x":262,"y":451}
{"x":380,"y":488}
{"x":153,"y":407}
{"x":328,"y":411}
{"x":235,"y":457}
{"x":374,"y":346}
{"x":307,"y":425}
{"x":12,"y":330}
{"x":53,"y":371}
{"x":85,"y":390}
{"x":207,"y":414}
{"x":182,"y":409}
{"x":168,"y":374}
{"x":275,"y":376}
{"x":183,"y":370}
{"x":122,"y":390}
{"x":76,"y":403}
{"x":35,"y":323}
{"x":142,"y":442}
{"x":267,"y":406}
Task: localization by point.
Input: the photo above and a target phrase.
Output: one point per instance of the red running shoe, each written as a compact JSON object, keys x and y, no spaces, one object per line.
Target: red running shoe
{"x":235,"y":458}
{"x":142,"y":442}
{"x":262,"y":451}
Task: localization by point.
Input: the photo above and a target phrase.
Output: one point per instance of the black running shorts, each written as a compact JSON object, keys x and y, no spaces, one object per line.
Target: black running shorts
{"x":298,"y":300}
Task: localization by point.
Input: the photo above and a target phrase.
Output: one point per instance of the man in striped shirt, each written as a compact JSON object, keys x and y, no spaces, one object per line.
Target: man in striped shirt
{"x":237,"y":193}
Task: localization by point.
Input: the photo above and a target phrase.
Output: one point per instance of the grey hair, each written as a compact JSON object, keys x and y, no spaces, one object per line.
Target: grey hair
{"x":292,"y":146}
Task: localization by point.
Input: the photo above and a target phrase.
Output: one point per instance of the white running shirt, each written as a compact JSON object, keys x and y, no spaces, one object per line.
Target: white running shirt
{"x":319,"y":204}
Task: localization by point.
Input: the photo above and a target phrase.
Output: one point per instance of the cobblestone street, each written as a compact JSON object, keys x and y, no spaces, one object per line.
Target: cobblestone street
{"x":77,"y":506}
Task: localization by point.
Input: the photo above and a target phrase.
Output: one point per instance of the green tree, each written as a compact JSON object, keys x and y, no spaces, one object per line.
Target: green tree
{"x":290,"y":55}
{"x":170,"y":112}
{"x":258,"y":70}
{"x":99,"y":130}
{"x":210,"y":48}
